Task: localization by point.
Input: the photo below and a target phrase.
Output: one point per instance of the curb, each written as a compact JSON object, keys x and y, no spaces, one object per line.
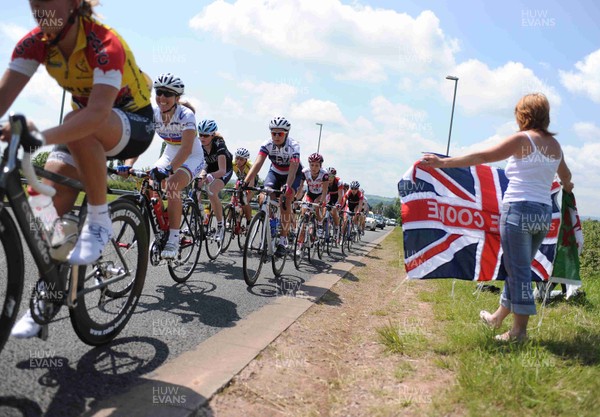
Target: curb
{"x":178,"y":389}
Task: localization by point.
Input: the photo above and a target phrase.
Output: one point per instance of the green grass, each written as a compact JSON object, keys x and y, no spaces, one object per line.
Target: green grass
{"x":557,"y":372}
{"x":109,"y":198}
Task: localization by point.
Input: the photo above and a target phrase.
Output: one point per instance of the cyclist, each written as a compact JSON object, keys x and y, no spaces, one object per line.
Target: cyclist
{"x":182,"y":158}
{"x":353,"y":201}
{"x":316,"y":179}
{"x":218,"y":170}
{"x":112,"y":115}
{"x":335,"y":194}
{"x":363,"y":213}
{"x":284,"y":173}
{"x":241,"y":167}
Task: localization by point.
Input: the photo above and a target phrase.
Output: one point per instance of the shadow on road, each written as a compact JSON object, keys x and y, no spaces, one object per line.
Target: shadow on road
{"x":103,"y":375}
{"x":190,"y":301}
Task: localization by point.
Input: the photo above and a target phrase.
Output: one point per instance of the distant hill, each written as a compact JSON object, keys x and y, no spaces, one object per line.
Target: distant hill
{"x":375,"y":199}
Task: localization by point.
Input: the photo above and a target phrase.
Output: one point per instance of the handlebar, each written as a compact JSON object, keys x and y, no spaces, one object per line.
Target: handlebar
{"x":21,"y":136}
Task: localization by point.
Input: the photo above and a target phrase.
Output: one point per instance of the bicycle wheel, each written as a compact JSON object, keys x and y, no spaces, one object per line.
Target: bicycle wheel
{"x":300,"y":246}
{"x":328,"y":234}
{"x":277,"y":262}
{"x":213,"y":246}
{"x":345,"y":234}
{"x":255,"y":249}
{"x":242,"y":228}
{"x":11,"y":280}
{"x":229,"y":220}
{"x":190,"y":244}
{"x":96,"y":318}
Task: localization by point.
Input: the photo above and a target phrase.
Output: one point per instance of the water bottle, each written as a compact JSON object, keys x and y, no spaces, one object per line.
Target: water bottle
{"x":161,"y":214}
{"x":273,"y":223}
{"x":43,"y":208}
{"x":64,"y":237}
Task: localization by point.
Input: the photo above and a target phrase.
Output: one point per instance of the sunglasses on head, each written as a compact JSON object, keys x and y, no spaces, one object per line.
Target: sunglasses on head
{"x":166,"y":93}
{"x":280,"y":134}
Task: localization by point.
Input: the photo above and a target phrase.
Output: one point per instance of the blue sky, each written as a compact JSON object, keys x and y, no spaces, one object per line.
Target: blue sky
{"x":373,"y":72}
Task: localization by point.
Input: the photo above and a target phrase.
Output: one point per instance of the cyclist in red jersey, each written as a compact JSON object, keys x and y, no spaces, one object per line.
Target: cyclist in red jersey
{"x":353,"y":200}
{"x":335,"y":194}
{"x":112,"y":115}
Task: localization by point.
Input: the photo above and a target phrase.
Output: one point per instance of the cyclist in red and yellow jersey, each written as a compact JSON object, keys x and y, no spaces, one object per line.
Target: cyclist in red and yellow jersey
{"x":112,"y":116}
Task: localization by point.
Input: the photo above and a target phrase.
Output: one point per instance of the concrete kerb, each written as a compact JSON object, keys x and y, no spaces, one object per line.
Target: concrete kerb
{"x":202,"y":372}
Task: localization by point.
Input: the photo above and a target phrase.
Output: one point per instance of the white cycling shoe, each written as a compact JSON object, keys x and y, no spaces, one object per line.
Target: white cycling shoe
{"x":25,"y":327}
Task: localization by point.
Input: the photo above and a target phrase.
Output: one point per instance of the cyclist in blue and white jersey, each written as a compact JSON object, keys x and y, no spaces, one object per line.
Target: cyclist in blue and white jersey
{"x":317,"y":180}
{"x":285,"y":170}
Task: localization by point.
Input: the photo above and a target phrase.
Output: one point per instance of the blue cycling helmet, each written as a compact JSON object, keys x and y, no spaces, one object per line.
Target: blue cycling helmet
{"x":207,"y":127}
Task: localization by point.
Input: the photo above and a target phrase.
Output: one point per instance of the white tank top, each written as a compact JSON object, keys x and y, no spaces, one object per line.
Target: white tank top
{"x":530,"y":178}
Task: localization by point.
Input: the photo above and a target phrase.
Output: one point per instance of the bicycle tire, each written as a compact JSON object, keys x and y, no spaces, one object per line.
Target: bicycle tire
{"x":327,"y":232}
{"x":277,"y":263}
{"x":345,"y":234}
{"x":89,"y":328}
{"x":229,"y":223}
{"x":300,"y":247}
{"x":190,"y":244}
{"x":12,"y":274}
{"x":242,"y":225}
{"x":213,"y":248}
{"x":255,"y":249}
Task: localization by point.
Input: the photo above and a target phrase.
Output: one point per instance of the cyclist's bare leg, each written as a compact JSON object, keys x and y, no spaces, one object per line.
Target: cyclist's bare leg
{"x":214,"y":188}
{"x":65,"y":196}
{"x":246,"y":208}
{"x":174,"y":184}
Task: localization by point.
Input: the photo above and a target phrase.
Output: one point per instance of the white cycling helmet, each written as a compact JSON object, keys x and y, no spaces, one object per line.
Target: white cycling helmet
{"x":170,"y":82}
{"x":242,"y":153}
{"x":280,"y":123}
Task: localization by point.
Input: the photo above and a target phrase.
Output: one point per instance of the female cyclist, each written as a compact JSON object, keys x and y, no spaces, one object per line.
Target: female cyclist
{"x":112,"y":116}
{"x":218,"y":170}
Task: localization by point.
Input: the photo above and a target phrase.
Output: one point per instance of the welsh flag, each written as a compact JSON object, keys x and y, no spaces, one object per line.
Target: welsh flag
{"x":569,"y":245}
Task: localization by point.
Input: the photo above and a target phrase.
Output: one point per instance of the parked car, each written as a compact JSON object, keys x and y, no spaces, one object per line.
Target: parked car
{"x":380,"y":221}
{"x":391,"y":222}
{"x":370,"y":222}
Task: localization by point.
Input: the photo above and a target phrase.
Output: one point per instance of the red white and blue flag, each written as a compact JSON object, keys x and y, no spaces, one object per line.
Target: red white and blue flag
{"x":450,"y":219}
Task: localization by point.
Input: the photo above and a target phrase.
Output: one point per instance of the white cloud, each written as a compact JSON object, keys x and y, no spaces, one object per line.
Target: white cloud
{"x":323,"y":111}
{"x":483,"y":90}
{"x":272,"y":99}
{"x":332,"y":33}
{"x":585,"y":80}
{"x":589,"y":132}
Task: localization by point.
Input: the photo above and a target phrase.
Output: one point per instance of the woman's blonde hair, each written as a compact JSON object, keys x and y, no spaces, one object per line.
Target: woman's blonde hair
{"x":87,"y":7}
{"x":188,"y":105}
{"x":533,"y":113}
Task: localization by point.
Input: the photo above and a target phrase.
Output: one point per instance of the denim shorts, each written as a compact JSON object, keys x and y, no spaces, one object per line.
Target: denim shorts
{"x":523,"y":227}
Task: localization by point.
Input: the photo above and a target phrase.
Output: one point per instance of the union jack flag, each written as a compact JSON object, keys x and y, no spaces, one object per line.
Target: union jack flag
{"x":450,"y":219}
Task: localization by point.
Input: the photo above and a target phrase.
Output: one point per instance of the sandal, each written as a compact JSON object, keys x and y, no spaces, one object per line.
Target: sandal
{"x":509,"y":338}
{"x":486,"y":317}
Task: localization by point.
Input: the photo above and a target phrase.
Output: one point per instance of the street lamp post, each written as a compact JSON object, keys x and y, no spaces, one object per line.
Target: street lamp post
{"x":455,"y":79}
{"x":320,"y":130}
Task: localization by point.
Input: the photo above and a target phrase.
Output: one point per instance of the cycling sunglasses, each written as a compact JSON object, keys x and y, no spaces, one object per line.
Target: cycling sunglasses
{"x":166,"y":93}
{"x":280,"y":134}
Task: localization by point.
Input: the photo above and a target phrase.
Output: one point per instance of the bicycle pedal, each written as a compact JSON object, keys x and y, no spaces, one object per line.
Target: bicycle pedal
{"x":43,"y":333}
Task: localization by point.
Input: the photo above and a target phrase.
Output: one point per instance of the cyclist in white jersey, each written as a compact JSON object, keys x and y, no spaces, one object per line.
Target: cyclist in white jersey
{"x":182,"y":158}
{"x":317,"y":180}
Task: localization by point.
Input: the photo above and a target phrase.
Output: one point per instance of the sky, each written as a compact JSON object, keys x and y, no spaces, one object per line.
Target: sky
{"x":373,"y":73}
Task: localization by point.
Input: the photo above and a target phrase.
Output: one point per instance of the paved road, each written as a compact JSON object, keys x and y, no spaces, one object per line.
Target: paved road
{"x":64,"y":377}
